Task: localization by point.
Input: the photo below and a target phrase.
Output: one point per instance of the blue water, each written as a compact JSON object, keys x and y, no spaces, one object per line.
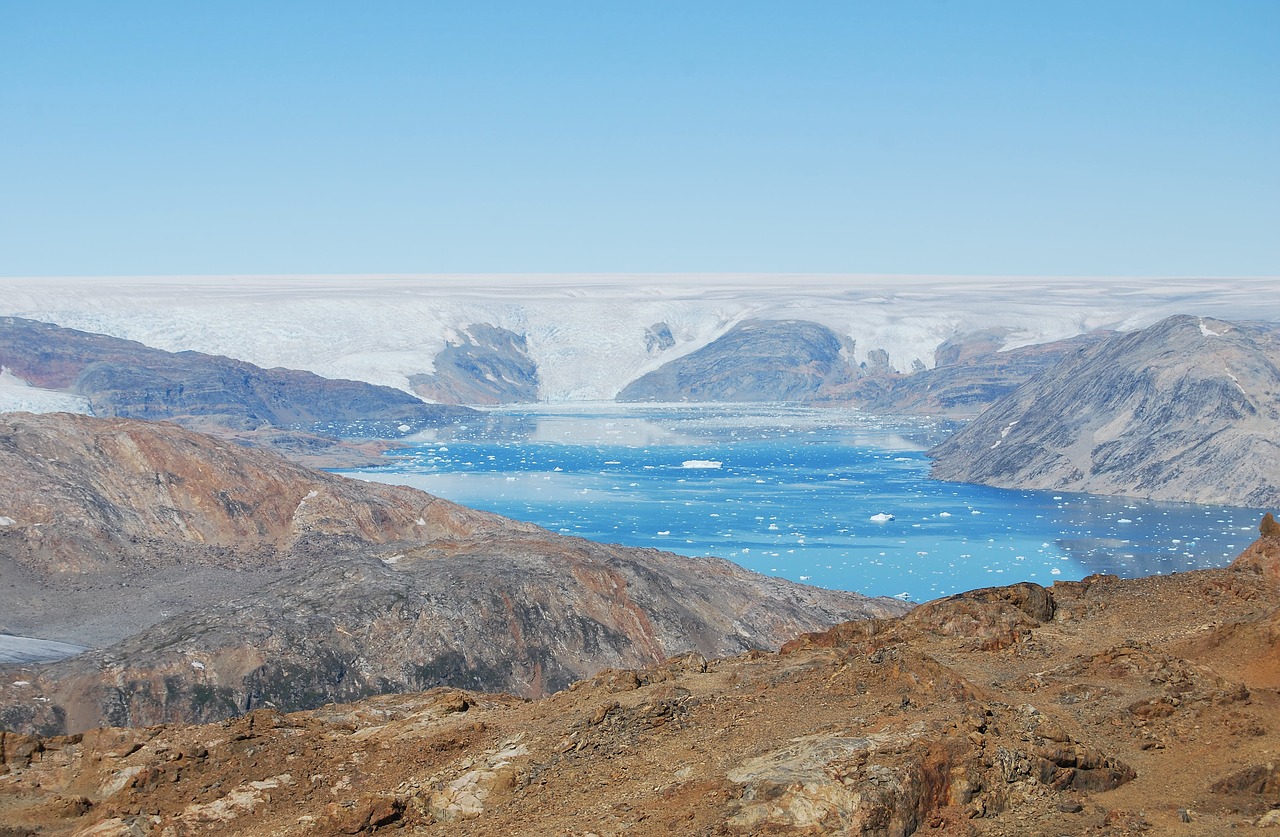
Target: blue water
{"x":793,"y":491}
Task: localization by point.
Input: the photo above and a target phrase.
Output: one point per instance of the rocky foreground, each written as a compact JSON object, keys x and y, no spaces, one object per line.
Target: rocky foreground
{"x":1099,"y":707}
{"x":213,"y":580}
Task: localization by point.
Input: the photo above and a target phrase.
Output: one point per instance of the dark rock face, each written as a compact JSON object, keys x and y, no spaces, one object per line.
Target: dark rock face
{"x":1186,"y":410}
{"x":756,"y":360}
{"x":485,"y":365}
{"x":360,"y":588}
{"x":126,"y":378}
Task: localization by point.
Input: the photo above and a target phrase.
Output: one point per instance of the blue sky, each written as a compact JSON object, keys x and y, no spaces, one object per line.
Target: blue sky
{"x":924,"y":136}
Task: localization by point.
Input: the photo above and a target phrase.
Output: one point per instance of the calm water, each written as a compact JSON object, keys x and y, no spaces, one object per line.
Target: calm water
{"x":800,"y":493}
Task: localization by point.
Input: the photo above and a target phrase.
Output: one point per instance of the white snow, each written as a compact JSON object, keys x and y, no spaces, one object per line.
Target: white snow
{"x":1208,"y":332}
{"x":586,"y":333}
{"x":1235,"y":381}
{"x":7,"y":521}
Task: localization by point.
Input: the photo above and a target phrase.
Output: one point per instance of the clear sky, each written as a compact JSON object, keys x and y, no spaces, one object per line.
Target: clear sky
{"x":914,"y":136}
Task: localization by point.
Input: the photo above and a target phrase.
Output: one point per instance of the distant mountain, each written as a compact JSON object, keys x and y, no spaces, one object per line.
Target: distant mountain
{"x":125,"y":378}
{"x":798,"y":360}
{"x":1187,"y":409}
{"x":268,"y":408}
{"x":970,"y":374}
{"x":589,"y":336}
{"x":756,"y":360}
{"x":230,"y":579}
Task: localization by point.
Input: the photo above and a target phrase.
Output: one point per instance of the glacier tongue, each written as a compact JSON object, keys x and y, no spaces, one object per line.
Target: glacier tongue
{"x":589,"y":335}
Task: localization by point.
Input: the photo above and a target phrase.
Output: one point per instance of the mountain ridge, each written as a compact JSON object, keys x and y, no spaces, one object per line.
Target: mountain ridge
{"x":224,"y":578}
{"x":1185,"y":410}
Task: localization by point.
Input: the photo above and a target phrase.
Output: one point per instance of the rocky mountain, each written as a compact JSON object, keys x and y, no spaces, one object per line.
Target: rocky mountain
{"x":1186,"y":410}
{"x":1098,"y":707}
{"x":970,"y":373}
{"x":756,"y":360}
{"x":482,"y":364}
{"x":125,"y":378}
{"x":225,"y":579}
{"x":797,"y":360}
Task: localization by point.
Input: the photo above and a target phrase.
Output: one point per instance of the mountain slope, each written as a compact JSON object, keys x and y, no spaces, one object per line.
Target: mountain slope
{"x":1100,"y":707}
{"x":229,"y":579}
{"x":125,"y":378}
{"x":964,"y":382}
{"x":756,"y":360}
{"x":1186,"y":410}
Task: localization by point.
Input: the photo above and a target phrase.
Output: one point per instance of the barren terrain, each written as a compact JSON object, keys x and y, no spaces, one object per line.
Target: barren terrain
{"x":1099,"y":707}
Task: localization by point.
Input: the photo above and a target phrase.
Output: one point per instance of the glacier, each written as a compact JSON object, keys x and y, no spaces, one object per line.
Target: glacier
{"x":588,"y":334}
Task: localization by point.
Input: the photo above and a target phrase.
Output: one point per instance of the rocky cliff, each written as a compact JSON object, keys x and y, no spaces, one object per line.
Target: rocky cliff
{"x":229,"y":579}
{"x":1187,"y":409}
{"x":1099,"y":707}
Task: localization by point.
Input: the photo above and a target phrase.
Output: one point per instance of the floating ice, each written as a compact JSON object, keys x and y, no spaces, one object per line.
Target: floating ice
{"x":881,"y":518}
{"x":701,"y":463}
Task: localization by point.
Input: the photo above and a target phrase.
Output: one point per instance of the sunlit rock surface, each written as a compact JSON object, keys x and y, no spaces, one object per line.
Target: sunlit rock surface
{"x":1187,"y":409}
{"x":225,"y":579}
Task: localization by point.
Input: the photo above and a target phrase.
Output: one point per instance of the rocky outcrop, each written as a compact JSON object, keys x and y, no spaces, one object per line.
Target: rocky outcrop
{"x":301,"y":588}
{"x":525,"y":615}
{"x":1186,"y":410}
{"x":756,"y":360}
{"x":482,"y":364}
{"x":128,"y":379}
{"x":658,"y":338}
{"x":1085,"y":724}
